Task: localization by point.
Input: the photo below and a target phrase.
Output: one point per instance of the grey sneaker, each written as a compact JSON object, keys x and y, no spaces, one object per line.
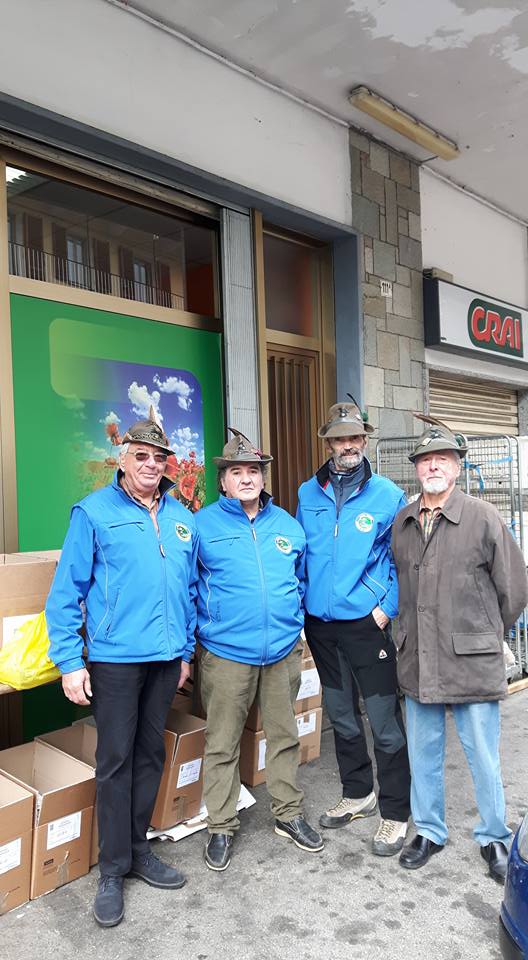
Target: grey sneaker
{"x":389,"y":838}
{"x":347,"y":809}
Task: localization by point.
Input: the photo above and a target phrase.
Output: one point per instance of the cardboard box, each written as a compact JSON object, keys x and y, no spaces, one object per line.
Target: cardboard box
{"x":309,"y":696}
{"x":180,"y":793}
{"x":64,"y":792}
{"x":78,"y":741}
{"x":25,"y":581}
{"x":16,"y":831}
{"x":253,"y":747}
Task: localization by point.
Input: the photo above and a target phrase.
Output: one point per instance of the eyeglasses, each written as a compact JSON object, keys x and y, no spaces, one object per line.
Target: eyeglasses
{"x":142,"y":456}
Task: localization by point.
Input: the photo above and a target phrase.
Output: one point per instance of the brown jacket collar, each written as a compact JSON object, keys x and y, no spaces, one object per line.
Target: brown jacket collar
{"x":452,"y":509}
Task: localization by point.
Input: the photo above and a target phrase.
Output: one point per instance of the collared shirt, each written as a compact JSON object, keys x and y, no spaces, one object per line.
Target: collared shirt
{"x":429,"y":517}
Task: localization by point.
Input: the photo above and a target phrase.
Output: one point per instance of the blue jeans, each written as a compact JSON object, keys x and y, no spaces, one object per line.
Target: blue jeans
{"x":478,"y":728}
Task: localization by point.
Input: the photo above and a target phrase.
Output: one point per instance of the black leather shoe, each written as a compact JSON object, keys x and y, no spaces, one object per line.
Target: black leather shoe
{"x":218,"y":851}
{"x":302,"y":834}
{"x":496,"y":856}
{"x":157,"y":873}
{"x":417,"y":853}
{"x":108,"y":908}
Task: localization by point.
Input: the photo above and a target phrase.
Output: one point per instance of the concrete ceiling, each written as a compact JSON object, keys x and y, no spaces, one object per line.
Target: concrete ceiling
{"x":461,"y":66}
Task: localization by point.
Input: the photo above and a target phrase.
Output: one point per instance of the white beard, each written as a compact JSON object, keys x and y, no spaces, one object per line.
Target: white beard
{"x":438,"y":485}
{"x":348,"y":461}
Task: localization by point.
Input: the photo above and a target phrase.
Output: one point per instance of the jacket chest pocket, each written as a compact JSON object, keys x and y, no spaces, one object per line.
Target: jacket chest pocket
{"x":123,"y":539}
{"x":215,"y":551}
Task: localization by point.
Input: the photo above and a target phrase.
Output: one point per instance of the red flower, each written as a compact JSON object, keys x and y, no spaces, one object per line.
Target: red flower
{"x":187,"y":484}
{"x":171,"y":469}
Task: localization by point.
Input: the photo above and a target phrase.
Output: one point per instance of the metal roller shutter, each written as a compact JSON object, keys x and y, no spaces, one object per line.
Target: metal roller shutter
{"x":473,"y":406}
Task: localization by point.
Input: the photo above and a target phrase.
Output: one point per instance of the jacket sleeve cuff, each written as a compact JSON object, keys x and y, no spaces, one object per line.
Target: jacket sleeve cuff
{"x":388,"y":610}
{"x":68,"y":666}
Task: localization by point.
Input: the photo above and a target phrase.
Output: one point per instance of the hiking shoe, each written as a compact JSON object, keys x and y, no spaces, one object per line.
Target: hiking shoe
{"x":108,"y":908}
{"x":347,"y":809}
{"x":156,"y":873}
{"x":302,"y":834}
{"x":217,"y":853}
{"x":389,"y":837}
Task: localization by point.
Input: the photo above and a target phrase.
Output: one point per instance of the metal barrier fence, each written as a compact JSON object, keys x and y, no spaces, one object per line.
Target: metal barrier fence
{"x":495,"y":469}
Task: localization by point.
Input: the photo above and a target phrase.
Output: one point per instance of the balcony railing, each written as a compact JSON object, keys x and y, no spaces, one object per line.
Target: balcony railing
{"x":39,"y":265}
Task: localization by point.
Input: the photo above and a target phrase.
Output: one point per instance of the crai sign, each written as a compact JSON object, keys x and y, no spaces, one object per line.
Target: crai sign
{"x":495,"y":327}
{"x":466,"y":321}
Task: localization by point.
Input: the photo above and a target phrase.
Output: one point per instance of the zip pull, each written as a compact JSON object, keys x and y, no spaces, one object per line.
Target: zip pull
{"x":335,"y":529}
{"x":162,"y":551}
{"x":253,"y":533}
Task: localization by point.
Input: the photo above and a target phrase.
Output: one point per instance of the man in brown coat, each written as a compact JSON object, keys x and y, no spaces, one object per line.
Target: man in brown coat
{"x":463,"y":583}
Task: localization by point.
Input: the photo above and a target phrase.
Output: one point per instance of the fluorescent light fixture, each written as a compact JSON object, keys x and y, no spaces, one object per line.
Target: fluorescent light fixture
{"x":386,"y":112}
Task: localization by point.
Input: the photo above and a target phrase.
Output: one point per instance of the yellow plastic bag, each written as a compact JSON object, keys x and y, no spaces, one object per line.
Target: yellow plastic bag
{"x":24,"y":661}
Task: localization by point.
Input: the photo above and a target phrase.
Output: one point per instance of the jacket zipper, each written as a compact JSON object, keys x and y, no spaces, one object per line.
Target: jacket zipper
{"x":334,"y":549}
{"x":264,"y":595}
{"x":164,"y":578}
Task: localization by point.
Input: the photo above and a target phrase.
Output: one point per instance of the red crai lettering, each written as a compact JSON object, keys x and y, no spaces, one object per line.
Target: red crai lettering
{"x":494,"y":321}
{"x":494,"y":327}
{"x":517,"y":344}
{"x":479,"y":314}
{"x":507,"y":332}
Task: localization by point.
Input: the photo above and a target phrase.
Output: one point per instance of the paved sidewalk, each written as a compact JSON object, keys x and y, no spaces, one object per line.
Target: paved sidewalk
{"x":276,"y":902}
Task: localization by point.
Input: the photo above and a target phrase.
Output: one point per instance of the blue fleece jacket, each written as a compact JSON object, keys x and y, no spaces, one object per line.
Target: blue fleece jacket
{"x":139,"y":588}
{"x":251,"y":581}
{"x":349,"y":566}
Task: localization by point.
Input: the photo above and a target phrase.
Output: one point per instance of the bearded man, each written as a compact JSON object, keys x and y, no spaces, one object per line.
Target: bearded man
{"x":351,"y":595}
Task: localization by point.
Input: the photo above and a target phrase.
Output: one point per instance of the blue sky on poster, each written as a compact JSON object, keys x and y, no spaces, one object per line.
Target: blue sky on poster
{"x":125,"y":392}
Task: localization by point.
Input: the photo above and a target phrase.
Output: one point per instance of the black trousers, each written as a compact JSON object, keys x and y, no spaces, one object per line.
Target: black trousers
{"x":130,"y":706}
{"x":353,"y":657}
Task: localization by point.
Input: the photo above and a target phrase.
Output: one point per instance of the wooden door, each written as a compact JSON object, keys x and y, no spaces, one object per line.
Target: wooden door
{"x":293,"y":391}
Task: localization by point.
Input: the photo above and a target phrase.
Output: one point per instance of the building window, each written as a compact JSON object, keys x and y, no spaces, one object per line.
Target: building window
{"x":79,"y":237}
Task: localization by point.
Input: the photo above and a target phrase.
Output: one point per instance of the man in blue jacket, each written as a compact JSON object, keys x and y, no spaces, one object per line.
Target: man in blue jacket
{"x":130,"y":558}
{"x":250,"y":615}
{"x":351,"y":595}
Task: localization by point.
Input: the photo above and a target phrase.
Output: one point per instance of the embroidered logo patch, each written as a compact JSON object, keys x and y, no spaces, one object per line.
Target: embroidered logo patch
{"x":382,"y":655}
{"x":283,"y":544}
{"x":182,"y":532}
{"x":364,"y":522}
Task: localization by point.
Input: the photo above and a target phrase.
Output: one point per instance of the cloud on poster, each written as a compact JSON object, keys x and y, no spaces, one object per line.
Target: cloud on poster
{"x":182,"y":441}
{"x":142,"y":400}
{"x":178,"y":386}
{"x":110,"y":418}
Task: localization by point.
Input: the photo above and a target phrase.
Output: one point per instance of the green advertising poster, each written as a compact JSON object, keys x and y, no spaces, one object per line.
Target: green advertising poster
{"x":81,"y":376}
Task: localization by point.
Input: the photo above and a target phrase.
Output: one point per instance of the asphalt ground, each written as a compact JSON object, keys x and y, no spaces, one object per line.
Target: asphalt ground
{"x":275,"y":902}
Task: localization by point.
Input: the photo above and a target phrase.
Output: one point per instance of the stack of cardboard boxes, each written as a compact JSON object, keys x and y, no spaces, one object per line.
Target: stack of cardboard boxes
{"x":308,"y":714}
{"x":48,"y":820}
{"x":46,"y":812}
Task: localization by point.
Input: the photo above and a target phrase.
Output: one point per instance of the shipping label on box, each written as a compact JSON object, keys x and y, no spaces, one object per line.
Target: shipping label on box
{"x":10,"y":855}
{"x":306,"y":725}
{"x":309,"y":726}
{"x":64,"y":830}
{"x":310,"y":684}
{"x":261,"y":755}
{"x":189,"y":772}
